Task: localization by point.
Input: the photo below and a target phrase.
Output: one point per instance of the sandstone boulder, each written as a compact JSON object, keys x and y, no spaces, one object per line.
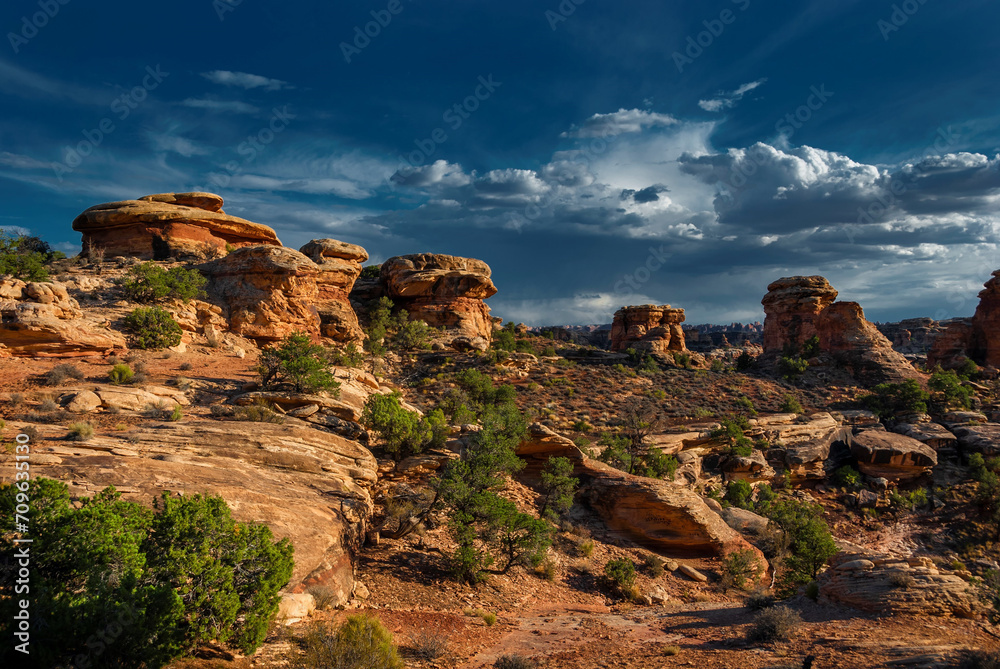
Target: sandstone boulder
{"x":267,"y":292}
{"x":42,"y":320}
{"x":168,"y":225}
{"x":648,"y":328}
{"x":979,"y":438}
{"x":307,"y":485}
{"x":934,"y":435}
{"x":657,"y":514}
{"x":889,"y":584}
{"x":339,"y":267}
{"x":445,"y":291}
{"x":805,"y":445}
{"x":892,"y":456}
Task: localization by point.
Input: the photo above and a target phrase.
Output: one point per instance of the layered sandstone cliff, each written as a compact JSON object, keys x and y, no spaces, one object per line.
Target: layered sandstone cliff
{"x":655,"y":329}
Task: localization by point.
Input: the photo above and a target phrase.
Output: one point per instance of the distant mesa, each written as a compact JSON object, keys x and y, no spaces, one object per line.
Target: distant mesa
{"x":168,"y":225}
{"x":648,"y":328}
{"x":442,"y":290}
{"x":798,"y":308}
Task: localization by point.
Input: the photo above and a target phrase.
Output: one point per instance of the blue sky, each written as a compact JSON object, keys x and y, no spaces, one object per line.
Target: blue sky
{"x":594,"y":154}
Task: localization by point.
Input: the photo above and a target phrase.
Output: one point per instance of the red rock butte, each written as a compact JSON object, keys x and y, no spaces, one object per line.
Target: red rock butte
{"x":155,"y":227}
{"x":648,"y":328}
{"x":798,"y":308}
{"x":977,"y":338}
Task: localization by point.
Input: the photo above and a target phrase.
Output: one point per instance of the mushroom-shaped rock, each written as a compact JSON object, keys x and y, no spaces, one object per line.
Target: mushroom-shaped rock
{"x":168,"y":225}
{"x":891,"y":456}
{"x":442,"y":290}
{"x":339,"y":267}
{"x":268,"y":291}
{"x":656,"y":329}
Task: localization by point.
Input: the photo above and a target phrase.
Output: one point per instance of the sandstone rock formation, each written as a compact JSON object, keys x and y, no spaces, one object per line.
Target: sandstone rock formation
{"x":442,"y":290}
{"x":41,"y":319}
{"x":891,"y":456}
{"x":307,"y":485}
{"x":168,"y":225}
{"x":800,"y":307}
{"x":654,"y":513}
{"x":791,"y":307}
{"x":913,"y":336}
{"x":936,"y":436}
{"x":890,"y":584}
{"x":648,"y":328}
{"x":339,"y":267}
{"x":268,"y":292}
{"x":858,"y":346}
{"x":804,"y":445}
{"x":977,"y":338}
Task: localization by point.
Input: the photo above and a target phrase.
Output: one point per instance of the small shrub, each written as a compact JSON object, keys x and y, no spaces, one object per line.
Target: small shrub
{"x":221,"y":410}
{"x":888,"y":399}
{"x":258,"y":412}
{"x":546,"y":570}
{"x":148,"y":283}
{"x":58,"y":374}
{"x":489,"y":618}
{"x":176,"y":414}
{"x":325,"y":596}
{"x":620,"y":573}
{"x":812,"y":590}
{"x":791,"y":367}
{"x":672,"y":650}
{"x":789,"y":404}
{"x":847,"y":476}
{"x":740,"y":568}
{"x":48,"y":405}
{"x":362,"y":642}
{"x":350,"y":356}
{"x":16,"y":399}
{"x":401,"y":432}
{"x":371,"y":272}
{"x":653,"y":565}
{"x":900,"y":579}
{"x":514,"y":662}
{"x":429,"y":646}
{"x":185,"y":366}
{"x":80,"y":431}
{"x":774,"y":624}
{"x":298,"y":362}
{"x":759,"y":599}
{"x":586,"y":548}
{"x":120,"y":373}
{"x":152,"y":328}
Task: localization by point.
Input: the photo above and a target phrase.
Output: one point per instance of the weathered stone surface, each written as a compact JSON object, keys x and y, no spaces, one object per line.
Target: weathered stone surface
{"x":339,"y":267}
{"x":648,"y":328}
{"x":859,"y":347}
{"x":654,"y":513}
{"x":445,"y":291}
{"x":934,"y":435}
{"x":307,"y":485}
{"x":137,"y":399}
{"x":168,"y":225}
{"x":267,"y":292}
{"x":865,"y":580}
{"x":892,"y":456}
{"x":295,"y":606}
{"x":692,"y":573}
{"x":752,"y":467}
{"x":979,"y":437}
{"x":791,"y":306}
{"x":744,"y":521}
{"x":804,"y":443}
{"x":196,"y":315}
{"x":42,"y":320}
